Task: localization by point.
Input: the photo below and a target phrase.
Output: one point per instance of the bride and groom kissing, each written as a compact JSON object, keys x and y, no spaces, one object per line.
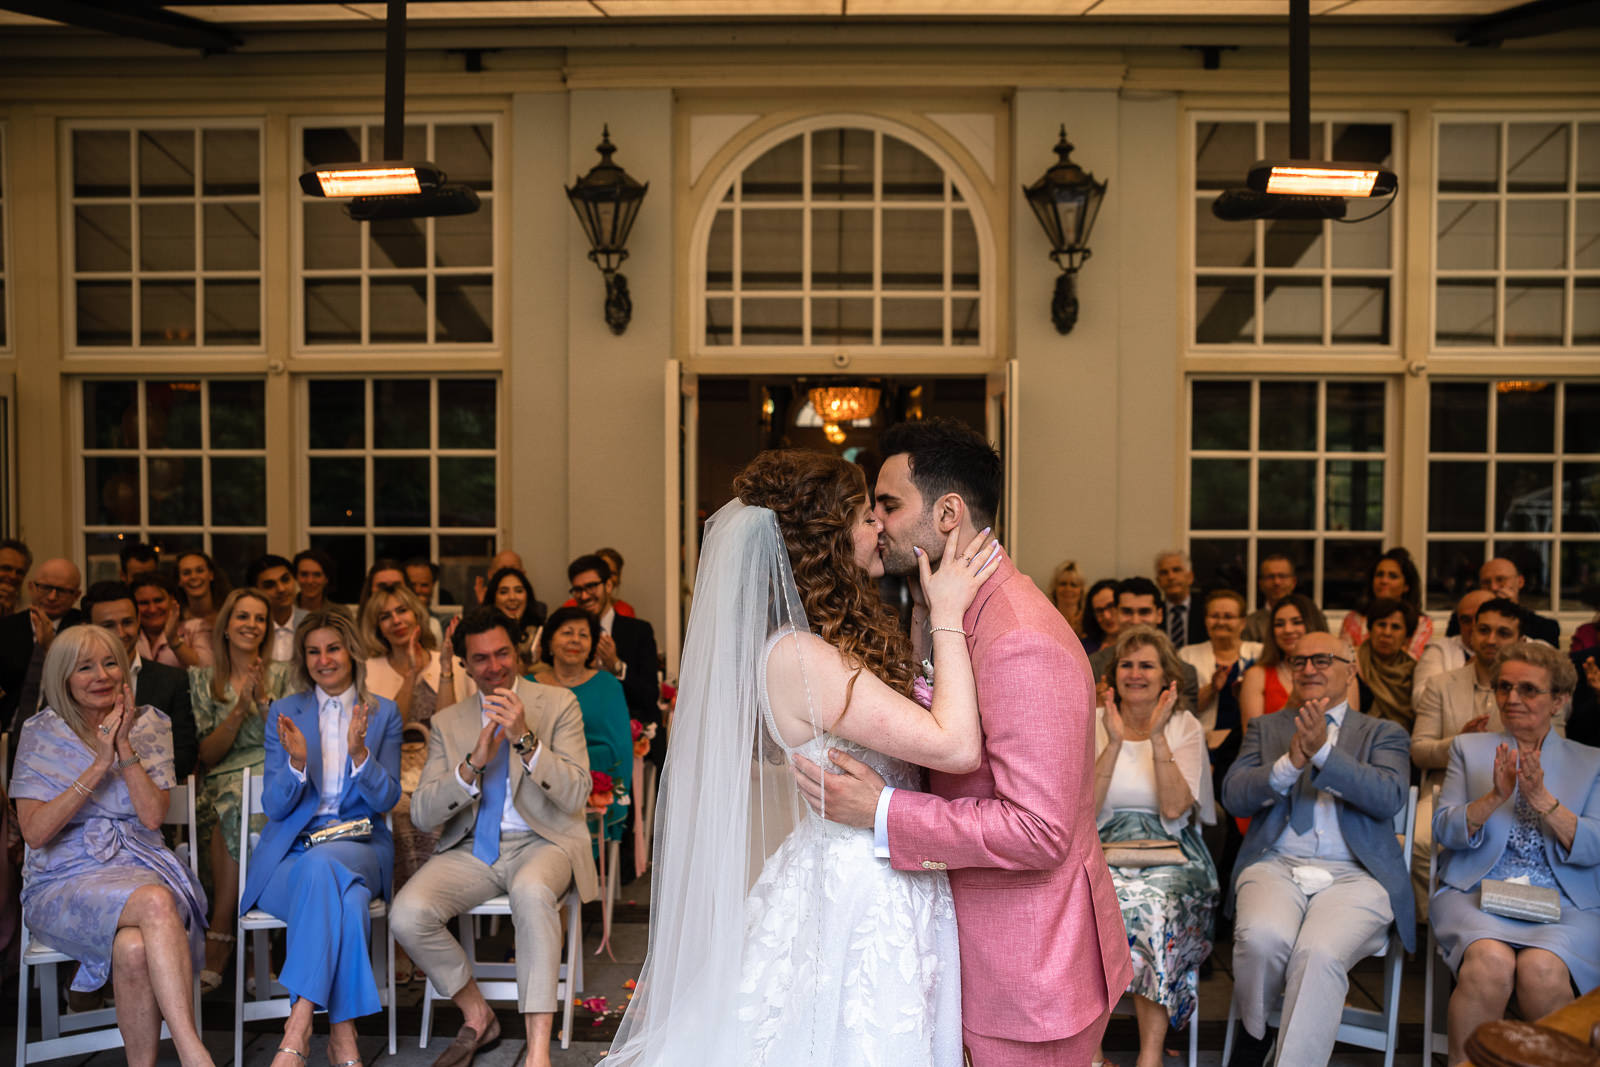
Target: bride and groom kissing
{"x":814,"y":902}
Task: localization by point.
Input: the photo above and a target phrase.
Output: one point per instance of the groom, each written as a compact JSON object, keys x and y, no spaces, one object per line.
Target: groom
{"x":1017,"y":835}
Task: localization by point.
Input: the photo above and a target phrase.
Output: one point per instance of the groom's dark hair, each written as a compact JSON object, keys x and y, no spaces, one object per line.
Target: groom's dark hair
{"x":948,"y":456}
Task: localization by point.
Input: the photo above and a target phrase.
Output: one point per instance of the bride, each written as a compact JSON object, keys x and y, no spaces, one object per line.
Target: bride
{"x":777,"y":937}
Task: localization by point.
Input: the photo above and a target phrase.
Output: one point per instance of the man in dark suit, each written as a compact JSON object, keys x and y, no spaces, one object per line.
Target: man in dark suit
{"x":1502,"y":578}
{"x":627,"y":646}
{"x":1182,"y":612}
{"x":26,"y":635}
{"x":1320,"y":879}
{"x":110,"y":606}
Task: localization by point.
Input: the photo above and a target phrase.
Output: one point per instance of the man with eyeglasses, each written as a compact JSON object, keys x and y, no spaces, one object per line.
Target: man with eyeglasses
{"x":1461,"y":701}
{"x":1275,"y":579}
{"x":1501,"y":577}
{"x":627,"y":646}
{"x":1140,"y":603}
{"x":1321,"y":878}
{"x":25,"y":635}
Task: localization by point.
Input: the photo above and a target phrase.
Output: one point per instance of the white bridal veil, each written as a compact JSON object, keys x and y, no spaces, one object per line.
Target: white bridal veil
{"x":727,"y":801}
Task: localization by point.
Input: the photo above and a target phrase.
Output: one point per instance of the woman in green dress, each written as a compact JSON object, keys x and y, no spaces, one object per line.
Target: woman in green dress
{"x":566,"y":649}
{"x":229,"y":699}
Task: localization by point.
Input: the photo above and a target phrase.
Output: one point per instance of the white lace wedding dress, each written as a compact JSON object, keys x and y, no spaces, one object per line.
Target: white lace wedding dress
{"x":848,"y":961}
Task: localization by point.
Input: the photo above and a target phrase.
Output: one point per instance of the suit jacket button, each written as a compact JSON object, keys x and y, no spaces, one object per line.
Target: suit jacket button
{"x":927,"y":865}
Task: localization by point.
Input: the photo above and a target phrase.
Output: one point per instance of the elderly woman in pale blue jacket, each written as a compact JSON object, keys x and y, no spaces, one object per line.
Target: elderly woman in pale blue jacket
{"x":1523,"y":805}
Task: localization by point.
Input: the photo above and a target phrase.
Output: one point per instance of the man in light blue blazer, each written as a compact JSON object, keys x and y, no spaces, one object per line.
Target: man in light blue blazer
{"x":332,"y":755}
{"x":1320,"y":877}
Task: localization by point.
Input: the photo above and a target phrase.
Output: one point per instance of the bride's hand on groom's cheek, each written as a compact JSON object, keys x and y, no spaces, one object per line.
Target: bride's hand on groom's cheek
{"x":852,"y":794}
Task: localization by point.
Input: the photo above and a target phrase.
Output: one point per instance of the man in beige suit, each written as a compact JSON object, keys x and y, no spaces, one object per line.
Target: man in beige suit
{"x":507,"y":778}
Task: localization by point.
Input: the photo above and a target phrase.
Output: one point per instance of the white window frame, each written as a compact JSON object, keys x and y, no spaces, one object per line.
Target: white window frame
{"x":135,"y":275}
{"x":1489,"y":458}
{"x":146,"y":530}
{"x":368,"y":452}
{"x":1198,"y":200}
{"x":1318,"y":534}
{"x":1500,"y":274}
{"x":372,"y":126}
{"x":956,"y":179}
{"x":6,"y":317}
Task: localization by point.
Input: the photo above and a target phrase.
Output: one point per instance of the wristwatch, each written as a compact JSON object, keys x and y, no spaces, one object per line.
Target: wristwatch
{"x":526,"y":743}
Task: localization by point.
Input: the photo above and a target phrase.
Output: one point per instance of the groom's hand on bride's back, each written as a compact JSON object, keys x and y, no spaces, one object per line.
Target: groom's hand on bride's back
{"x":852,"y":794}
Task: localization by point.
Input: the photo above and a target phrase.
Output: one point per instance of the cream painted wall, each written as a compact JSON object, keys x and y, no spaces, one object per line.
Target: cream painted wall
{"x":1097,"y":408}
{"x":614,"y":412}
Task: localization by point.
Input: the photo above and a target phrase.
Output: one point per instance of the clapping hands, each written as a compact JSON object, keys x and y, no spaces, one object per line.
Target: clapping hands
{"x":1310,"y":731}
{"x":1506,"y":772}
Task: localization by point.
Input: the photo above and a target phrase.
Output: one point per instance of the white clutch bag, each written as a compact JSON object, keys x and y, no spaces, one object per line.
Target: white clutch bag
{"x":1513,"y":900}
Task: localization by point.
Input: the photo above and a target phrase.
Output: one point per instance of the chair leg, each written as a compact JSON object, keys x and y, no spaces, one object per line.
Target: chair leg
{"x":388,"y":936}
{"x":429,"y":994}
{"x":1391,"y":999}
{"x":1427,"y":1004}
{"x":238,"y":996}
{"x":1194,"y":1026}
{"x":1227,"y":1035}
{"x":49,"y":1001}
{"x":22,"y":1002}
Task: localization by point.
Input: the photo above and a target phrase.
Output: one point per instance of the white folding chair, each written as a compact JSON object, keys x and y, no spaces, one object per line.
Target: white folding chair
{"x":84,"y":1032}
{"x":271,"y":1000}
{"x":1363,"y":1026}
{"x":1434,"y":1040}
{"x":1125,"y":1006}
{"x":498,"y":981}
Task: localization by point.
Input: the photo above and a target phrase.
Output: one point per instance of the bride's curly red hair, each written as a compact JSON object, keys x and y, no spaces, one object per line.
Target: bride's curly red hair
{"x":817,"y":499}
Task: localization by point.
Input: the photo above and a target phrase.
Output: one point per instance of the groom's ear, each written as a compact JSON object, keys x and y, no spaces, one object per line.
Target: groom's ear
{"x":948,"y":511}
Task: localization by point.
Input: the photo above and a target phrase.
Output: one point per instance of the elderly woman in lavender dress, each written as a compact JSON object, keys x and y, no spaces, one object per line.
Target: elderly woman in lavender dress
{"x":1525,"y":805}
{"x":91,"y":787}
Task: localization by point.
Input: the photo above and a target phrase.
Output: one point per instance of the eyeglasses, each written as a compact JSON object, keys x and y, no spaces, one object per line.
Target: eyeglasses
{"x":586,"y":587}
{"x":1321,"y":661}
{"x":1222,"y":618}
{"x":47,"y":589}
{"x":1525,"y":690}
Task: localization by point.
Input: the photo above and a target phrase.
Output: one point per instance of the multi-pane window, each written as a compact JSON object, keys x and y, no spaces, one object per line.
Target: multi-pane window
{"x":180,"y":463}
{"x":1277,"y":282}
{"x":399,"y":281}
{"x":1297,"y":467}
{"x":165,"y":248}
{"x":1517,"y":233}
{"x":843,"y":237}
{"x":1514,"y":471}
{"x":401,"y":467}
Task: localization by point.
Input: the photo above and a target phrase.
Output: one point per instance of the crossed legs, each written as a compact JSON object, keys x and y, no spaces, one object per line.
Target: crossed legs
{"x":153,"y":976}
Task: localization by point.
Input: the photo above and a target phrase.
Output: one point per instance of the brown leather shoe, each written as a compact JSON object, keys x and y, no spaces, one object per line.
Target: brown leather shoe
{"x":468,"y":1044}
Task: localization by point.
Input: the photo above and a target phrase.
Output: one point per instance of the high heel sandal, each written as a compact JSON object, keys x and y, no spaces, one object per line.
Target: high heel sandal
{"x":211,"y":980}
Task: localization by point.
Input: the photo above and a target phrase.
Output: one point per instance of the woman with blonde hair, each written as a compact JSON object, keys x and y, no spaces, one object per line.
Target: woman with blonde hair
{"x":1066,"y":593}
{"x":91,"y":786}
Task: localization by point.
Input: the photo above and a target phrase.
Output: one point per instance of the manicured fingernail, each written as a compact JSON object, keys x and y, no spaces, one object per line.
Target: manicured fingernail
{"x":985,"y":530}
{"x":917,"y":549}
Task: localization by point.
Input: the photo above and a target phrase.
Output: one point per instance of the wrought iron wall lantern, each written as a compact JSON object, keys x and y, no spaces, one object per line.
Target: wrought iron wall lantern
{"x":607,"y":200}
{"x":1065,"y":201}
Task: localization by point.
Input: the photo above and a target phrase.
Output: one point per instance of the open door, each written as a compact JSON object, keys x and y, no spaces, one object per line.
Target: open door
{"x":683,"y":549}
{"x":1001,"y":412}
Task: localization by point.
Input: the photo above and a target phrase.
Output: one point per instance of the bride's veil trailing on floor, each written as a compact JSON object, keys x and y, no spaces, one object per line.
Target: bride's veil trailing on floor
{"x":727,"y":801}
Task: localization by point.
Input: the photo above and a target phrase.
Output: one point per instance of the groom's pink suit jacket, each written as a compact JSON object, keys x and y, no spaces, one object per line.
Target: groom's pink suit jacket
{"x":1043,"y":949}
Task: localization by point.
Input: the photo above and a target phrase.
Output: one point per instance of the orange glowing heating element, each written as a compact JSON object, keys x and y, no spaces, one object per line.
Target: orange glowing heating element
{"x":393,"y":181}
{"x":1321,"y":181}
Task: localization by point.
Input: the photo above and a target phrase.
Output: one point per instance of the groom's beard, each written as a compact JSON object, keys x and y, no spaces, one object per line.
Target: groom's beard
{"x":899,"y":564}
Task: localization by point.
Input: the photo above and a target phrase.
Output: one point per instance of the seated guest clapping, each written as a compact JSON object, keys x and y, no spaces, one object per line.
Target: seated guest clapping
{"x":1321,"y":877}
{"x":505,"y":785}
{"x":333,"y":757}
{"x":567,"y":652}
{"x":1384,"y":663}
{"x":91,"y":786}
{"x":1523,"y":804}
{"x":1151,"y":782}
{"x":1268,"y":685}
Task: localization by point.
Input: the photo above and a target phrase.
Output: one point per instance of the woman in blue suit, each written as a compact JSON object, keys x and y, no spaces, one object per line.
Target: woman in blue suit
{"x":1522,"y":804}
{"x":333,"y":755}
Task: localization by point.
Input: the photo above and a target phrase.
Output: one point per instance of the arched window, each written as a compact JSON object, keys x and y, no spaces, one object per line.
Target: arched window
{"x":844,"y":237}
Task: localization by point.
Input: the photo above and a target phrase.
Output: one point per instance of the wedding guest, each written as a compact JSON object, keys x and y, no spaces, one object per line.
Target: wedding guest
{"x":511,"y":594}
{"x":613,"y":559}
{"x":230,"y":698}
{"x":1321,"y":877}
{"x":1384,"y":664}
{"x":567,"y":647}
{"x":1276,"y":579}
{"x":422,"y":575}
{"x":383,"y":572}
{"x":1393,"y":577}
{"x":501,"y":830}
{"x":314,"y":572}
{"x":411,"y":669}
{"x":1151,"y":782}
{"x":203,"y":588}
{"x":25,"y":638}
{"x":1268,"y":684}
{"x":1102,"y":619}
{"x":1175,"y":576}
{"x":1454,"y":649}
{"x":627,"y":647}
{"x":16,"y":559}
{"x":333,"y":757}
{"x":1519,"y":804}
{"x":156,"y":598}
{"x":1587,"y":635}
{"x":1066,"y":592}
{"x":1140,"y":602}
{"x":502,"y":559}
{"x":110,"y":606}
{"x":274,"y":576}
{"x":137,"y":558}
{"x":91,"y":787}
{"x":1221,"y":660}
{"x":1502,"y":578}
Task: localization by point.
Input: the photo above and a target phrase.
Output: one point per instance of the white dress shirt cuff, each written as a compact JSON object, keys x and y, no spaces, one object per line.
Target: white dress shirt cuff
{"x":471,"y":789}
{"x":1322,"y":754}
{"x":300,"y":776}
{"x":533,"y":758}
{"x":1284,"y":775}
{"x":356,"y":768}
{"x":880,"y":825}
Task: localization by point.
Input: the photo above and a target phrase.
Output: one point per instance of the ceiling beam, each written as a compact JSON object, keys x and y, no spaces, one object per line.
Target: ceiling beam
{"x":1537,"y":18}
{"x":126,"y":18}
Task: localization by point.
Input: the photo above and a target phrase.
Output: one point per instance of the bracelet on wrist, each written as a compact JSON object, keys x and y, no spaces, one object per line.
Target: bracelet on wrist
{"x":947,"y":629}
{"x":1555,"y":802}
{"x":80,"y":787}
{"x":477,"y":772}
{"x":124,"y":764}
